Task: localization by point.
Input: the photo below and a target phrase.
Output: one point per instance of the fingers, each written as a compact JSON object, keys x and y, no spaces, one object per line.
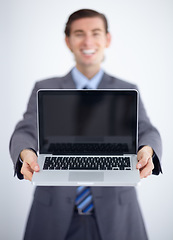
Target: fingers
{"x":145,"y":164}
{"x":147,"y":169}
{"x":27,"y":171}
{"x":29,"y":164}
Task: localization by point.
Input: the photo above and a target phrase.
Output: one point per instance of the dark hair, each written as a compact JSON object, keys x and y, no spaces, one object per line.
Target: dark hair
{"x":84,"y":13}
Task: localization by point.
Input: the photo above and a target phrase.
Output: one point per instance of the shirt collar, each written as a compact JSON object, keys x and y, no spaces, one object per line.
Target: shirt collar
{"x":81,"y":81}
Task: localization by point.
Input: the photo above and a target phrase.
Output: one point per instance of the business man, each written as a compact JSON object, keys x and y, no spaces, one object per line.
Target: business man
{"x":115,"y":213}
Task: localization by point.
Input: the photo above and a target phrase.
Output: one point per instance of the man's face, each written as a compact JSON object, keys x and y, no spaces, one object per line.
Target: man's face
{"x":87,"y":41}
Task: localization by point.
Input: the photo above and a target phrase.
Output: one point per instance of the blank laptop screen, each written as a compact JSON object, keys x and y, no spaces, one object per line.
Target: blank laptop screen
{"x":87,"y":121}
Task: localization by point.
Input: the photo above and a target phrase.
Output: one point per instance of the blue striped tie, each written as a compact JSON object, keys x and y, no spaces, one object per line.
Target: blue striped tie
{"x":84,"y":200}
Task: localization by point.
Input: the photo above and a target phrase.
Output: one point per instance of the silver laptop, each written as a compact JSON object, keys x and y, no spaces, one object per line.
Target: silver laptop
{"x":87,"y":137}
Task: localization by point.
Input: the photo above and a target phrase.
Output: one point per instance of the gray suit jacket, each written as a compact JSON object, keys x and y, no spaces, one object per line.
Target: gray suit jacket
{"x":116,"y":208}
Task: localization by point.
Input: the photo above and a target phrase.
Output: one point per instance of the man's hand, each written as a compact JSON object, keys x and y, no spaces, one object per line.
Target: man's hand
{"x":30,"y":164}
{"x":145,"y":162}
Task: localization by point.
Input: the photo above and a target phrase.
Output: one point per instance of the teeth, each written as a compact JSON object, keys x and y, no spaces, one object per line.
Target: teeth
{"x":88,"y":51}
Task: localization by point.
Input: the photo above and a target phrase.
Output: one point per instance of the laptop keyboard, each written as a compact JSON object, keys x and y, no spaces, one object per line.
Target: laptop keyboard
{"x":87,"y":163}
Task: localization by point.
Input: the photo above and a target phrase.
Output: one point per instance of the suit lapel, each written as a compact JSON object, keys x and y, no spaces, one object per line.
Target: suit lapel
{"x":67,"y":82}
{"x":106,"y":82}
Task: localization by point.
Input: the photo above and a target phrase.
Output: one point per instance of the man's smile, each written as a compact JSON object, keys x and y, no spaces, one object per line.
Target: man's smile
{"x":88,"y":51}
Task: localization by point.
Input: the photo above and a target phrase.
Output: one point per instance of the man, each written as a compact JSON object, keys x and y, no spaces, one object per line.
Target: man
{"x":116,"y":213}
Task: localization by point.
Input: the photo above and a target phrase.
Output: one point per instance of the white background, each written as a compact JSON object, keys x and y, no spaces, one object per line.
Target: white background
{"x":32,"y":48}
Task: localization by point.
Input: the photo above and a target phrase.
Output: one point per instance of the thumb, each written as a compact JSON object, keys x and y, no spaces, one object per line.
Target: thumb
{"x":34,"y":165}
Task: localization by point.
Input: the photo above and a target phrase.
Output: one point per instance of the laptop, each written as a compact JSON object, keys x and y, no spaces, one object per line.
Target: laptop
{"x":87,"y":137}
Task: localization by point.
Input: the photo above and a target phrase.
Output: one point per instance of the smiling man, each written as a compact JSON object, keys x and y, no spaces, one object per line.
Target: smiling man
{"x":114,"y":212}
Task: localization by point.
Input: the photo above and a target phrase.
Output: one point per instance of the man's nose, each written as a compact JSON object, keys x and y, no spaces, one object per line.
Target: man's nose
{"x":88,"y":40}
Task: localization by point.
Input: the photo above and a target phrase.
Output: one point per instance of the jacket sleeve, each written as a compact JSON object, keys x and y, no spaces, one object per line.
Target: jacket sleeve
{"x":25,"y":133}
{"x":149,"y":135}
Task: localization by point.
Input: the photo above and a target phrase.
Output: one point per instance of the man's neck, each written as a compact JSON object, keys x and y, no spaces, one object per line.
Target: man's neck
{"x":88,"y":72}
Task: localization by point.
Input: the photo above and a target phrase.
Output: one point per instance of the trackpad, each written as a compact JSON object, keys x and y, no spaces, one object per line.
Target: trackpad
{"x":86,"y":176}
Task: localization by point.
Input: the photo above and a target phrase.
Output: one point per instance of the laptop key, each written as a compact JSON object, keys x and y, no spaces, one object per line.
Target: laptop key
{"x":51,"y":168}
{"x":83,"y":168}
{"x":121,"y":167}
